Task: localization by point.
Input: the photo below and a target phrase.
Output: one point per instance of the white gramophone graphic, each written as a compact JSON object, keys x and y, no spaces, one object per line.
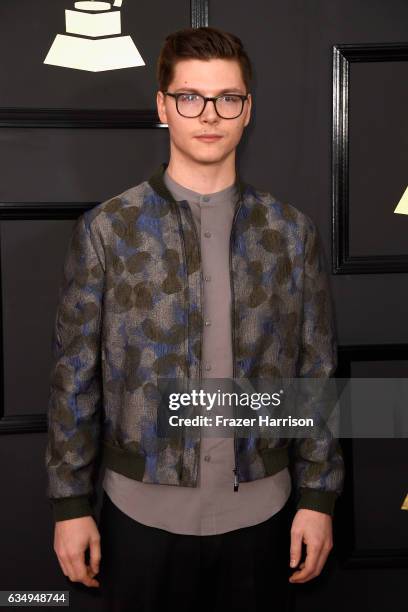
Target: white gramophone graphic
{"x":96,"y":43}
{"x":402,"y":207}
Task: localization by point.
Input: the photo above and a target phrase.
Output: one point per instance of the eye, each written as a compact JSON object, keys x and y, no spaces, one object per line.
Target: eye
{"x":230,"y":98}
{"x":189,"y":97}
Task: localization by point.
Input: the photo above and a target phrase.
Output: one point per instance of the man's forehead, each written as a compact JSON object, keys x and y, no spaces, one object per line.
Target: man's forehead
{"x":209,"y":90}
{"x":190,"y":78}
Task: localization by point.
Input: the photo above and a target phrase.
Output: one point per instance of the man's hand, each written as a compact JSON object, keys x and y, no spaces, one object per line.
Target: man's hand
{"x":315,"y":530}
{"x":71,"y":539}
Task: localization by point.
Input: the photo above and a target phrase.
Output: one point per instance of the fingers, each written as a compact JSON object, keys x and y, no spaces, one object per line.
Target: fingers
{"x":65,"y":563}
{"x":314,"y":528}
{"x":82,"y":572}
{"x":309,"y":567}
{"x":316,"y":557}
{"x":95,"y":554}
{"x":326,"y":548}
{"x":295,"y":546}
{"x":63,"y":567}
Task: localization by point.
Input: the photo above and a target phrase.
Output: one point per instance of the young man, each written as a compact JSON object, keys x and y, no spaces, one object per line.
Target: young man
{"x":192,"y":273}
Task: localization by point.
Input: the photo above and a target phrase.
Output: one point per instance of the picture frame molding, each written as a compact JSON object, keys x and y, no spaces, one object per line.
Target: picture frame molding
{"x":347,"y":551}
{"x":342,"y":261}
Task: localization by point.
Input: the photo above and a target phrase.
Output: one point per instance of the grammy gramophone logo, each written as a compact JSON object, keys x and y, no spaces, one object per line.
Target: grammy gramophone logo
{"x":93,"y":40}
{"x":402,"y":208}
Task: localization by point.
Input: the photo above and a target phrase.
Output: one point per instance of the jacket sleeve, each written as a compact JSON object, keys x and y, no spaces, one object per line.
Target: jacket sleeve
{"x":317,"y":462}
{"x":74,"y":403}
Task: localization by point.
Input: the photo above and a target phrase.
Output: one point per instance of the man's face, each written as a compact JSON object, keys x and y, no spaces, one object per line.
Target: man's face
{"x":209,"y":78}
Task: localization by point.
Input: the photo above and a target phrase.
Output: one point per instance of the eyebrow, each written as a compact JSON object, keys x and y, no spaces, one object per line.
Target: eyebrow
{"x":222,"y":91}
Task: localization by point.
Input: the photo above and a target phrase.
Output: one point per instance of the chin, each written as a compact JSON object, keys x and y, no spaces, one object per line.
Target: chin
{"x":210,"y":157}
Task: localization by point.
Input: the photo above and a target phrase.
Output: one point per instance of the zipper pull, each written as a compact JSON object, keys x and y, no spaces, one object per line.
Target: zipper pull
{"x":236,"y":483}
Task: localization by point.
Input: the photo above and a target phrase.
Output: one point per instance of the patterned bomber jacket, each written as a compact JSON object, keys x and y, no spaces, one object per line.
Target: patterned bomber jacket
{"x":130,"y":311}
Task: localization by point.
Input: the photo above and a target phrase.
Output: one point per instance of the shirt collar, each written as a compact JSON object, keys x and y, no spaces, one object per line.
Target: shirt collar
{"x":216,"y":198}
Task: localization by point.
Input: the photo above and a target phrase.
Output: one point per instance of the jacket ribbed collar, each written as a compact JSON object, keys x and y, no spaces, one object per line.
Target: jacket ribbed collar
{"x":156,"y":182}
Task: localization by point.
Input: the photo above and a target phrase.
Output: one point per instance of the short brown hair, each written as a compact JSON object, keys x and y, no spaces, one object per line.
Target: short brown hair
{"x":203,"y":43}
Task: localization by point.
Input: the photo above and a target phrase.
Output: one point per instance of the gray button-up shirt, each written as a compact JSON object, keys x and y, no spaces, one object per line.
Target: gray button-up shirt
{"x":213,"y":506}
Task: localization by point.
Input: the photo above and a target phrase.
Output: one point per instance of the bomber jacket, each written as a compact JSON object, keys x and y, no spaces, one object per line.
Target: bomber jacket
{"x":130,"y":311}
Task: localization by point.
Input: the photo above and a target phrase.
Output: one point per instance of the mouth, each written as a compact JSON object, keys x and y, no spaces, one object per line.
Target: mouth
{"x":209,"y":137}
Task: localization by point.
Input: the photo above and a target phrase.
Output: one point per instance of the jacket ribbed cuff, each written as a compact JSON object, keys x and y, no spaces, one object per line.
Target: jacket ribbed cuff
{"x":314,"y":499}
{"x":65,"y":508}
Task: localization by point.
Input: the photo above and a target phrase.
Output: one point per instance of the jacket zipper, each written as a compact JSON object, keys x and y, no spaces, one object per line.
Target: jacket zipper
{"x":236,"y":469}
{"x":190,"y":215}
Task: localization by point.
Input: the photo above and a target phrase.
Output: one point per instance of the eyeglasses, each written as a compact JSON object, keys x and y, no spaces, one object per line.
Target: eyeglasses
{"x":190,"y":105}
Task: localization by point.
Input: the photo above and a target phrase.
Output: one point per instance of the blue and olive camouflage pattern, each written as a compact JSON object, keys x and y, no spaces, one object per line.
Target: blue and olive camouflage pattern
{"x":130,"y":311}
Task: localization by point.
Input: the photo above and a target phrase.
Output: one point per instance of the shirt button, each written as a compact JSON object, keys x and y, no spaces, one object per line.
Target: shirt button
{"x":206,"y":199}
{"x":207,"y":234}
{"x":207,"y":458}
{"x":207,"y":278}
{"x":208,"y":322}
{"x":208,"y":366}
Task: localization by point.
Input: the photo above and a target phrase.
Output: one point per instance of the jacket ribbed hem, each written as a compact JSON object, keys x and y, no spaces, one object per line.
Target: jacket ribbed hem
{"x":133,"y":466}
{"x":65,"y":508}
{"x":275,"y":459}
{"x":313,"y":499}
{"x":123,"y":461}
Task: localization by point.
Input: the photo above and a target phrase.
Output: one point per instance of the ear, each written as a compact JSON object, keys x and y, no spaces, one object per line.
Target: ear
{"x":249,"y":109}
{"x":161,"y":106}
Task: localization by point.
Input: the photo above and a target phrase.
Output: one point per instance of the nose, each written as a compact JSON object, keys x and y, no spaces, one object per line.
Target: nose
{"x":209,"y":113}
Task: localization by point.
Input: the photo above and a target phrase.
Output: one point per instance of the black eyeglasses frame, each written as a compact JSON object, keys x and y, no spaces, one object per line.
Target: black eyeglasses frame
{"x":207,"y":99}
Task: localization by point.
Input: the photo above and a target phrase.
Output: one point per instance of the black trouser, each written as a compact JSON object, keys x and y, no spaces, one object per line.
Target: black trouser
{"x":145,"y":569}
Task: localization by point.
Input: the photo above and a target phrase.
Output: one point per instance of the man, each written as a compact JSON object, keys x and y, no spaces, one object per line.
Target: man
{"x":191,"y":272}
